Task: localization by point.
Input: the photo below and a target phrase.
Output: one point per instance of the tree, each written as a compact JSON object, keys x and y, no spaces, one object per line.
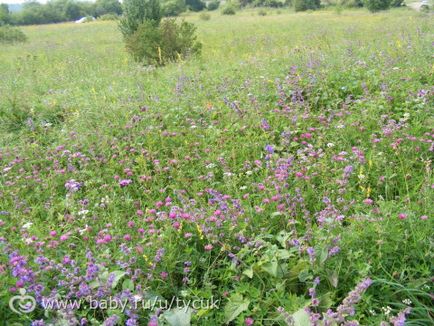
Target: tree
{"x":72,"y":10}
{"x":5,"y":17}
{"x":103,"y":7}
{"x":136,"y":12}
{"x":173,"y":8}
{"x":377,"y":5}
{"x":195,"y":5}
{"x":302,"y":5}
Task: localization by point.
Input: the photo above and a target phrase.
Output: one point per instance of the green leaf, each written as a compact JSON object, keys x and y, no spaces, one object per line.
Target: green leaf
{"x":301,"y":318}
{"x":284,"y":254}
{"x":248,"y":272}
{"x":95,"y":284}
{"x":333,"y":279}
{"x":283,"y":238}
{"x":304,"y":275}
{"x":128,"y":285}
{"x":323,"y":256}
{"x":178,"y":316}
{"x":271,"y":268}
{"x":118,"y":276}
{"x":236,"y":305}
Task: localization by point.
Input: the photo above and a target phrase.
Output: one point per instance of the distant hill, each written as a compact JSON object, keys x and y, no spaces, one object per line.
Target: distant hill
{"x":14,"y":7}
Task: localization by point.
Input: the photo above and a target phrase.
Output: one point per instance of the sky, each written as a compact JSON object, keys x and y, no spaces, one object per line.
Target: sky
{"x":19,"y":1}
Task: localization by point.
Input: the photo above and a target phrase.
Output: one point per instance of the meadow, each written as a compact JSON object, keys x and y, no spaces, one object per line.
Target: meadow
{"x":286,"y":173}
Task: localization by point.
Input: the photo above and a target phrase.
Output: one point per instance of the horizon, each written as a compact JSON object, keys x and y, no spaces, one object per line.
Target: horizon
{"x":19,"y":2}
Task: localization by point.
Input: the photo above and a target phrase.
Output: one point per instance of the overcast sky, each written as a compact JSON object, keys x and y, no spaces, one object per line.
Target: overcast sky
{"x":19,"y":1}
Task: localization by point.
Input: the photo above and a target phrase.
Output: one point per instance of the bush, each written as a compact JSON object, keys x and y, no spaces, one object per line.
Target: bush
{"x":424,"y":8}
{"x":228,"y":10}
{"x":262,"y":12}
{"x":104,"y":7}
{"x":213,"y":5}
{"x":352,"y":3}
{"x":10,"y":35}
{"x":376,"y":5}
{"x":396,"y":3}
{"x":173,"y":8}
{"x":168,"y":42}
{"x":136,"y":12}
{"x":205,"y":16}
{"x":5,"y":17}
{"x":195,"y":5}
{"x":303,"y":5}
{"x":108,"y":17}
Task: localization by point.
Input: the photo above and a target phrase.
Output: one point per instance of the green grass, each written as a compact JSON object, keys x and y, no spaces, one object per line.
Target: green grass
{"x":180,"y":130}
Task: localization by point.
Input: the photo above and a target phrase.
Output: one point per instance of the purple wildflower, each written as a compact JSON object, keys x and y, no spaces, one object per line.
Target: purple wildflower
{"x":125,"y":182}
{"x":72,"y":185}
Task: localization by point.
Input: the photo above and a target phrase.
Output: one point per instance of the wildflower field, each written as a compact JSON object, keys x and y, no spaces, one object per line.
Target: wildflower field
{"x":282,"y":178}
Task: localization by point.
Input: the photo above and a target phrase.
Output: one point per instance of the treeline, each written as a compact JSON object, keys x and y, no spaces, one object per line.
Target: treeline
{"x":57,"y":11}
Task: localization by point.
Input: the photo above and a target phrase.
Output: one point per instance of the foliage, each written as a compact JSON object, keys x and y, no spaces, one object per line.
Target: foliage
{"x":289,"y":168}
{"x":377,"y":5}
{"x":213,"y":5}
{"x":269,"y":3}
{"x":107,"y":7}
{"x":303,"y":5}
{"x":397,"y":3}
{"x":205,"y":16}
{"x":195,"y":5}
{"x":344,"y":3}
{"x":158,"y":45}
{"x":262,"y":12}
{"x":173,"y":8}
{"x":136,"y":12}
{"x":56,"y":11}
{"x":10,"y":35}
{"x":425,"y":8}
{"x":4,"y":14}
{"x":107,"y":17}
{"x":228,"y":10}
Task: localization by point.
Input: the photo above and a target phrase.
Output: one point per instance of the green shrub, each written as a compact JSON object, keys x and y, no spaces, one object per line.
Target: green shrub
{"x":303,"y":5}
{"x":108,"y":17}
{"x":396,"y":3}
{"x":270,"y":3}
{"x":228,"y":10}
{"x":5,"y":17}
{"x":205,"y":16}
{"x":377,"y":5}
{"x":352,"y":3}
{"x":213,"y":5}
{"x":195,"y":5}
{"x":10,"y":35}
{"x":173,"y":8}
{"x":168,"y":42}
{"x":424,"y":8}
{"x":136,"y":12}
{"x":262,"y":12}
{"x":104,"y":7}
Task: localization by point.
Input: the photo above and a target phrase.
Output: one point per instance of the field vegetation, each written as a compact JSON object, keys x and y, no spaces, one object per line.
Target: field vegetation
{"x":285,"y":173}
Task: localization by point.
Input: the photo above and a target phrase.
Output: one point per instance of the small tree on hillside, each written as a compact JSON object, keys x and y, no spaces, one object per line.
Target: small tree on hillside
{"x":377,"y":5}
{"x":303,"y":5}
{"x":4,"y":14}
{"x":136,"y":12}
{"x":152,"y":41}
{"x":104,"y":7}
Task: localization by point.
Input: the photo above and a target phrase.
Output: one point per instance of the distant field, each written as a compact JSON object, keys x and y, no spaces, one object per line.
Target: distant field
{"x":298,"y":148}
